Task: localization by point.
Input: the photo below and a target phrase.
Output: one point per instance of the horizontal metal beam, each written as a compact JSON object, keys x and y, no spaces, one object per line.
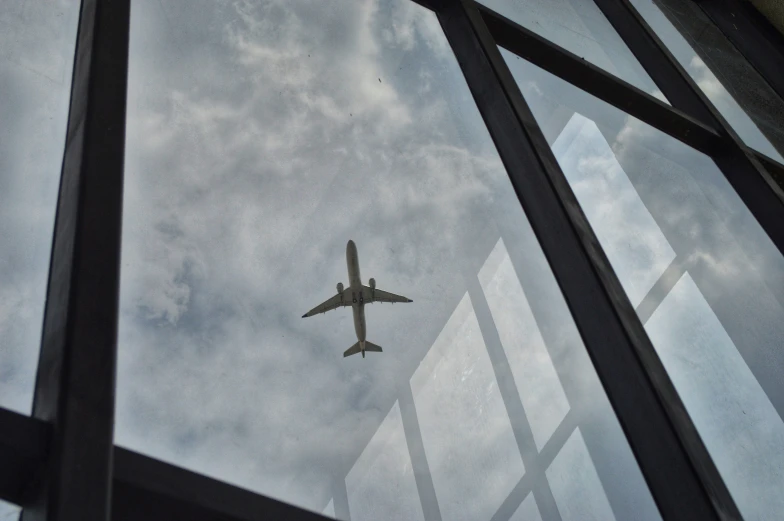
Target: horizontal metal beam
{"x":598,"y":82}
{"x":679,"y":472}
{"x":144,"y":488}
{"x":23,"y":447}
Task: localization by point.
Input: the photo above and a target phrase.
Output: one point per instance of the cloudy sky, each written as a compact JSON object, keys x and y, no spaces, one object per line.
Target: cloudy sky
{"x":36,"y":57}
{"x":262,"y":136}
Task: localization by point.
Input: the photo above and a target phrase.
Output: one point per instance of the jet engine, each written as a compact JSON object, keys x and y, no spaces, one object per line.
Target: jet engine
{"x":372,"y":283}
{"x":340,"y":287}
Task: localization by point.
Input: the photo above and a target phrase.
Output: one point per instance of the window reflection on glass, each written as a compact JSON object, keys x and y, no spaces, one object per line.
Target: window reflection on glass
{"x":527,"y":510}
{"x":465,"y":429}
{"x":740,"y":94}
{"x":261,"y":138}
{"x":534,"y":374}
{"x":581,"y":28}
{"x":9,"y":512}
{"x":329,"y":510}
{"x":575,"y":484}
{"x":664,"y":212}
{"x":36,"y":57}
{"x":381,"y":483}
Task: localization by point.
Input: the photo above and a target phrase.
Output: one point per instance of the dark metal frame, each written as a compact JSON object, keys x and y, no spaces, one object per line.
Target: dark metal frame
{"x":753,"y":35}
{"x":61,"y":464}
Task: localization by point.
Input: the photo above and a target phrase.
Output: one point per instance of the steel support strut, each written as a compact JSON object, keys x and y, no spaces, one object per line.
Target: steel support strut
{"x":680,"y":474}
{"x":756,"y":187}
{"x":75,"y":385}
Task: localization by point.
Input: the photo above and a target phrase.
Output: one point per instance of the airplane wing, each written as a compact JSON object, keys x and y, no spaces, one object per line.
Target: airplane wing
{"x":378,"y":295}
{"x":328,"y":305}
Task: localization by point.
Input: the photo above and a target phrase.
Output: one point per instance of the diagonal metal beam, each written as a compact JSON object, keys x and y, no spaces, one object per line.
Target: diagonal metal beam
{"x":611,"y":89}
{"x":680,"y":474}
{"x":752,"y":182}
{"x":596,"y":81}
{"x":76,"y":373}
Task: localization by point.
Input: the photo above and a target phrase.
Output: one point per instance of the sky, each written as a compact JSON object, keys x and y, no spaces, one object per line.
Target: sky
{"x":261,"y":137}
{"x":36,"y":57}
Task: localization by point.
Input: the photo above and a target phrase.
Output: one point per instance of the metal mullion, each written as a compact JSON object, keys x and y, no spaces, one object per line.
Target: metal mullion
{"x":596,"y":81}
{"x":740,"y":166}
{"x":611,"y":89}
{"x":752,"y":35}
{"x":680,"y":474}
{"x":75,"y":385}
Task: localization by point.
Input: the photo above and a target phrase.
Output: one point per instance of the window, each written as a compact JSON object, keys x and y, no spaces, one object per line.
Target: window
{"x":706,"y":281}
{"x":260,"y":140}
{"x":579,"y":27}
{"x":36,"y":57}
{"x":736,"y":89}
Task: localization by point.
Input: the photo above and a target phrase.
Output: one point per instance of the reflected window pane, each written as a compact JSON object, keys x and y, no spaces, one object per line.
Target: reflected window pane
{"x":581,"y":28}
{"x":262,"y":138}
{"x":737,"y":90}
{"x":705,"y":279}
{"x":9,"y":512}
{"x":460,"y":409}
{"x":534,"y":373}
{"x":527,"y":511}
{"x":575,"y":484}
{"x":381,"y":483}
{"x":329,"y":510}
{"x":36,"y":58}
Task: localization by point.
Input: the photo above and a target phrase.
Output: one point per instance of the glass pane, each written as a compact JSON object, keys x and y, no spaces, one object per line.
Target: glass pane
{"x":705,"y":279}
{"x":581,"y":28}
{"x":329,"y":510}
{"x":9,"y":512}
{"x":36,"y":59}
{"x":739,"y":93}
{"x":261,"y":139}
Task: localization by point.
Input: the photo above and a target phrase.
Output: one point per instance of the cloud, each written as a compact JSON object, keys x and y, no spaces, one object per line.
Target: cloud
{"x":261,"y":137}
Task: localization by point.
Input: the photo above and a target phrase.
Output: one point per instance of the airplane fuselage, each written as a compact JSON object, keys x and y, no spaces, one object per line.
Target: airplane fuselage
{"x":355,"y":291}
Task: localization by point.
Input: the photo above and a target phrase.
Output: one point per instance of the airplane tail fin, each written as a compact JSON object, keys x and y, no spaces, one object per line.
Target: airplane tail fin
{"x":369,"y":346}
{"x":352,"y":350}
{"x":356,"y":348}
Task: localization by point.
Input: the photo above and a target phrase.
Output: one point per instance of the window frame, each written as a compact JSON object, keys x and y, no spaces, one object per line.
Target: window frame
{"x":60,"y":464}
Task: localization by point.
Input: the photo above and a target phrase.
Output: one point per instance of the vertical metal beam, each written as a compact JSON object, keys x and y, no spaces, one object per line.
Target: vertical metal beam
{"x":755,"y":186}
{"x":680,"y":474}
{"x":75,"y":385}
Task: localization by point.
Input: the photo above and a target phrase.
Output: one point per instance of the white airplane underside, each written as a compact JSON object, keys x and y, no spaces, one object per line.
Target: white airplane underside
{"x":356,"y":295}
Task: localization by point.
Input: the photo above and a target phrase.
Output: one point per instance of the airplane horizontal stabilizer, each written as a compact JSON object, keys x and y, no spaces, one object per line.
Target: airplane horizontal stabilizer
{"x":369,"y":346}
{"x":352,"y":350}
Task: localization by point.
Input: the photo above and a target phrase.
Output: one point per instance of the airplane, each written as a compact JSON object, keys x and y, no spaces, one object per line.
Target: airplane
{"x":356,"y":296}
